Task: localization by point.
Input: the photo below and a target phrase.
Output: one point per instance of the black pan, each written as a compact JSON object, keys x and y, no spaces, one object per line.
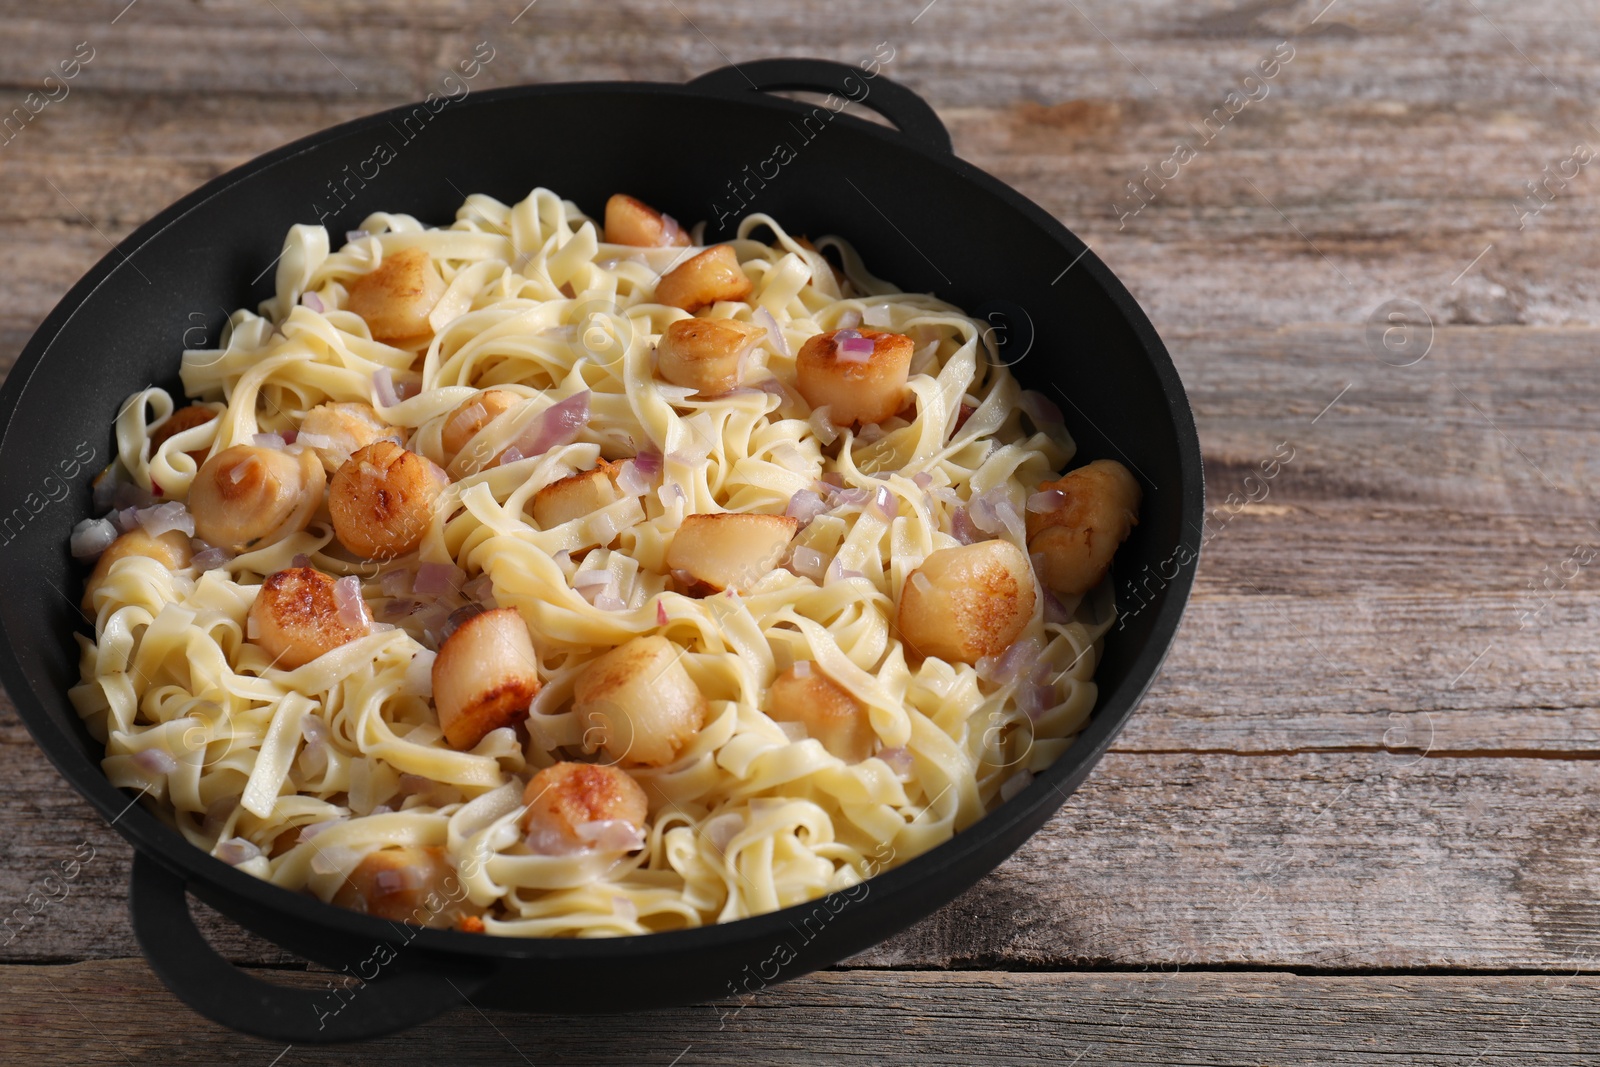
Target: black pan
{"x":918,"y":215}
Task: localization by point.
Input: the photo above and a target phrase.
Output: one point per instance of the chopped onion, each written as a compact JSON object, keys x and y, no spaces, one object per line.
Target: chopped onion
{"x":396,"y":582}
{"x":648,"y":462}
{"x":677,"y":394}
{"x":877,"y":315}
{"x":844,"y":498}
{"x":269,"y":440}
{"x":805,"y":506}
{"x":802,"y":668}
{"x":556,"y":425}
{"x":631,"y":480}
{"x":1040,"y":408}
{"x":155,"y":761}
{"x":821,"y":421}
{"x":775,"y":338}
{"x":920,"y":580}
{"x":610,"y":835}
{"x":669,"y":494}
{"x":239,"y":471}
{"x":437,"y":579}
{"x":808,"y":563}
{"x":1015,"y":784}
{"x":1046,"y":501}
{"x":352,"y":609}
{"x":1010,"y":664}
{"x":511,"y":455}
{"x":92,"y":537}
{"x":721,"y":829}
{"x":856,"y":349}
{"x":164,"y":518}
{"x":621,"y":906}
{"x":661,"y":613}
{"x":314,"y":730}
{"x":898,"y":759}
{"x":837,"y":570}
{"x":993,"y":513}
{"x":923,"y":479}
{"x":236,"y":850}
{"x":209,"y":559}
{"x":314,"y":440}
{"x":312,"y":301}
{"x":1036,"y":699}
{"x":383,"y":388}
{"x":883,"y":504}
{"x":794,"y":731}
{"x":352,"y":236}
{"x":848,"y":320}
{"x":1054,"y":610}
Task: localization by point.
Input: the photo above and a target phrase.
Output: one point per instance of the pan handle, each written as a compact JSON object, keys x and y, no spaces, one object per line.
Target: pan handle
{"x":909,"y":112}
{"x":215,"y":988}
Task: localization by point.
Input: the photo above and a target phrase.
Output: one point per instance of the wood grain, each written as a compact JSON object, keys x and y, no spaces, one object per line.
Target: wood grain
{"x":80,"y":1014}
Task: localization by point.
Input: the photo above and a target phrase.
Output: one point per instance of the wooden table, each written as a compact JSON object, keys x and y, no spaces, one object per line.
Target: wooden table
{"x":1353,"y":817}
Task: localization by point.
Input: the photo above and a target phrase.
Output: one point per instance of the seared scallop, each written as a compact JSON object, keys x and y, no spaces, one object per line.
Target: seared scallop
{"x":171,"y":550}
{"x":183,"y":419}
{"x":859,"y":375}
{"x":805,"y":695}
{"x":703,"y":279}
{"x":638,"y":704}
{"x":484,"y":677}
{"x":575,"y":496}
{"x":633,"y":222}
{"x":383,"y":500}
{"x":407,"y":884}
{"x":397,"y":297}
{"x":967,"y":602}
{"x":246,"y":497}
{"x":728,"y":551}
{"x":336,"y":430}
{"x":472,"y":416}
{"x":301,"y":613}
{"x":573,"y":806}
{"x":706,"y":355}
{"x":1073,"y":543}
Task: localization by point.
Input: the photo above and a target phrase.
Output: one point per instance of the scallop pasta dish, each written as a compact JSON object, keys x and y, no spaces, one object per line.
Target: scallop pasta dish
{"x":543,"y":575}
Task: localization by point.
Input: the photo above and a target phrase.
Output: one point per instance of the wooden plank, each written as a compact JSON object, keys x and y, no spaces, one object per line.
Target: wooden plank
{"x":82,"y":1014}
{"x":1279,"y":860}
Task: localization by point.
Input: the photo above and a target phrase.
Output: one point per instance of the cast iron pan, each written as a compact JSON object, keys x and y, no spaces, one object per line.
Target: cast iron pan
{"x":918,"y":215}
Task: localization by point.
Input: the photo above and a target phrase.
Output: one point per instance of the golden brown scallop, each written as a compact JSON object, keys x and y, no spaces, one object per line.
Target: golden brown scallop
{"x":396,"y":298}
{"x":245,"y":497}
{"x":638,"y":704}
{"x":855,"y":387}
{"x":967,"y":602}
{"x":171,"y":550}
{"x":567,"y":798}
{"x":633,"y":222}
{"x":348,"y":427}
{"x":703,"y":279}
{"x":383,"y":500}
{"x":484,"y":677}
{"x":472,"y":416}
{"x":296,"y":617}
{"x":729,"y":551}
{"x":706,"y":355}
{"x":1075,"y":542}
{"x":183,"y":419}
{"x":409,"y":884}
{"x":805,"y":695}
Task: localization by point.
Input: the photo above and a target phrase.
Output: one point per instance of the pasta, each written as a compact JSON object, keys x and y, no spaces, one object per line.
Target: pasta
{"x":506,"y":577}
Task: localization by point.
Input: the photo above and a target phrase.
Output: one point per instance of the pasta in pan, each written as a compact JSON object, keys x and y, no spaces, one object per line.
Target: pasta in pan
{"x":550,"y":576}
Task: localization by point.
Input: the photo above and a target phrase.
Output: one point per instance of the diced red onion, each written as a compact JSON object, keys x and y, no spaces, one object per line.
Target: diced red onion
{"x":808,"y":563}
{"x":631,"y":480}
{"x":314,"y":440}
{"x":1054,"y":610}
{"x":837,"y":570}
{"x":124,"y":519}
{"x":661,"y":613}
{"x":396,"y":582}
{"x":480,"y":589}
{"x":610,"y":835}
{"x":511,"y":455}
{"x":883,"y":504}
{"x":407,"y":390}
{"x":1036,"y":699}
{"x":805,"y":506}
{"x":92,"y":537}
{"x":155,"y":761}
{"x":383,"y":388}
{"x":437,"y":579}
{"x":1015,"y":784}
{"x":1010,"y":664}
{"x":352,"y":236}
{"x":993,"y":513}
{"x":352,"y":609}
{"x":856,"y":346}
{"x":821,"y":421}
{"x":648,"y":462}
{"x":453,"y":622}
{"x":849,"y":320}
{"x":238,"y":472}
{"x":312,"y":301}
{"x":923,"y":479}
{"x":217,"y":815}
{"x":164,"y":518}
{"x":314,"y":730}
{"x":877,"y":315}
{"x":1040,"y":408}
{"x":775,"y":338}
{"x":558,"y":424}
{"x":1046,"y":501}
{"x":300,"y":560}
{"x":311,"y":830}
{"x":130,"y":494}
{"x":670,"y":494}
{"x":209,"y":559}
{"x":722,"y":829}
{"x":898,"y":759}
{"x":269,"y":440}
{"x":850,"y":497}
{"x":236,"y":850}
{"x":607,"y":602}
{"x":397,"y":879}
